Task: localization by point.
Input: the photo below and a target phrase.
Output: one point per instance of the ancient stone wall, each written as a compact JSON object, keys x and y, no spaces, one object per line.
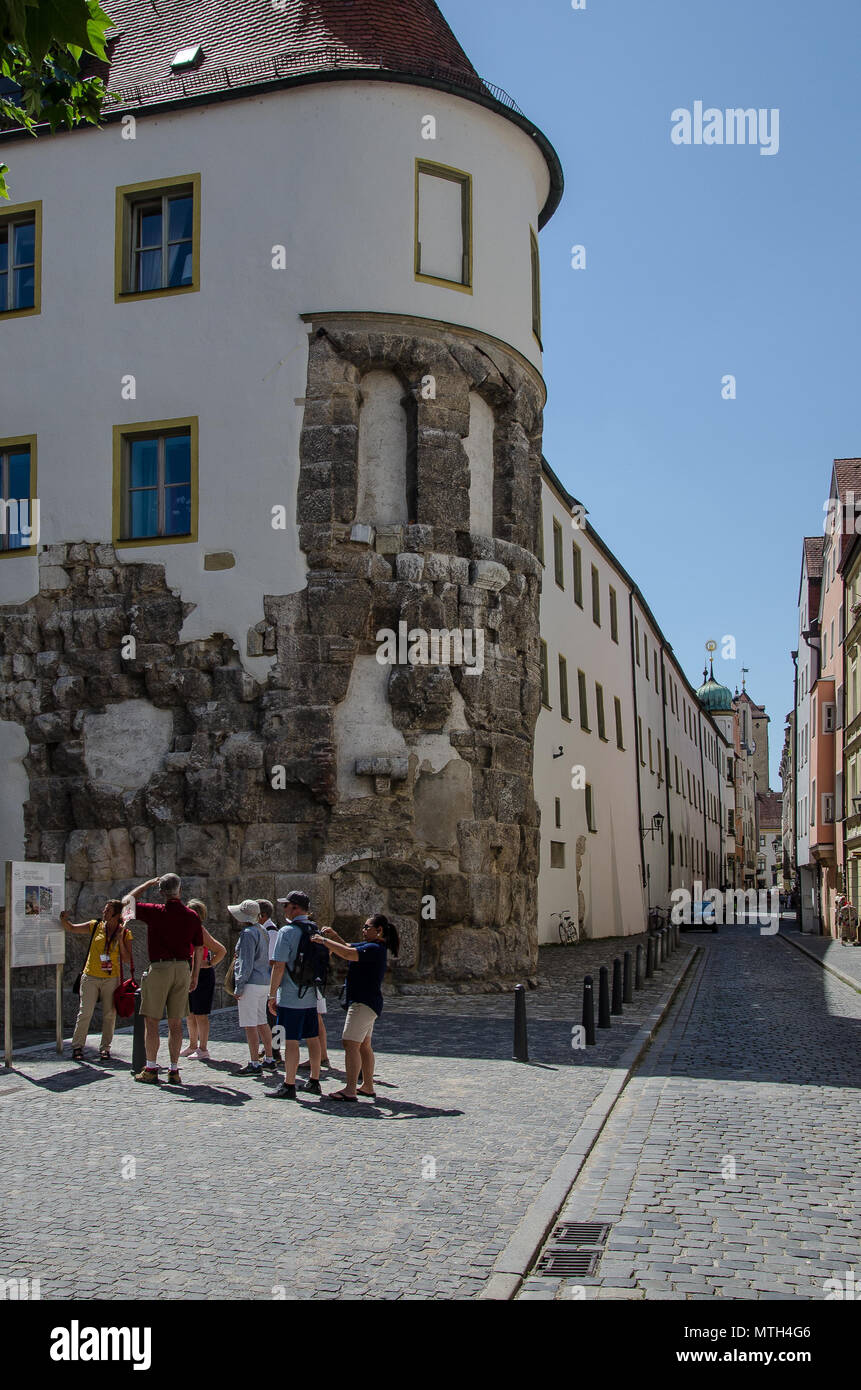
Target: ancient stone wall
{"x":374,"y":787}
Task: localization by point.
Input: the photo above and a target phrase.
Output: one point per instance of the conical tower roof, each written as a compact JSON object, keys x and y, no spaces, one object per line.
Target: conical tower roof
{"x":397,"y":35}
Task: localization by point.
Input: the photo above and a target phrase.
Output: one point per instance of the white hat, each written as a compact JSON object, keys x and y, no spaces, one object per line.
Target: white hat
{"x":247,"y":911}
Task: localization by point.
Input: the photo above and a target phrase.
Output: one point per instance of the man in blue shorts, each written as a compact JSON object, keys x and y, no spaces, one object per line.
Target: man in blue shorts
{"x":296,"y":1013}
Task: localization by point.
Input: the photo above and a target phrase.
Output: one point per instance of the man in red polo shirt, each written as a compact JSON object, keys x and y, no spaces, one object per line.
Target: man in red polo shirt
{"x":175,"y":947}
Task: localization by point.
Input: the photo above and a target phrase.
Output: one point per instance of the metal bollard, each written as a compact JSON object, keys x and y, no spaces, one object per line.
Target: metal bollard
{"x":588,"y":1019}
{"x":617,"y":987}
{"x":627,"y":987}
{"x":603,"y":998}
{"x":650,"y":956}
{"x":138,"y":1038}
{"x":660,"y":947}
{"x":521,"y":1046}
{"x":638,"y":967}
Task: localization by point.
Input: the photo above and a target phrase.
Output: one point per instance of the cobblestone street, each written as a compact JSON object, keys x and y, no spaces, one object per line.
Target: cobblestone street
{"x":729,"y":1166}
{"x":418,"y":1195}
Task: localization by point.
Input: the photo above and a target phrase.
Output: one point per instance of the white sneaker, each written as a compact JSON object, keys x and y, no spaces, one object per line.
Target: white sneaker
{"x":202,"y":1054}
{"x":188,"y":1051}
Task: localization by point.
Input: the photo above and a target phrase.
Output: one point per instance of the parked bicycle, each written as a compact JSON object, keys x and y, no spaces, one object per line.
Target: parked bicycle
{"x":569,"y":928}
{"x":658,"y":917}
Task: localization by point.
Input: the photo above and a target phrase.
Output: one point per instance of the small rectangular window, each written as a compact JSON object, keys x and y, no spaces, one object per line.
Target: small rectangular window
{"x":614,"y":616}
{"x":158,"y":238}
{"x":590,"y":808}
{"x":578,"y":574}
{"x":557,"y":554}
{"x":557,"y":854}
{"x":659,"y":761}
{"x":651,"y":764}
{"x":584,"y":705}
{"x":637,"y":640}
{"x":657,"y":681}
{"x":155,"y":482}
{"x":535,"y":260}
{"x":19,"y":516}
{"x":599,"y":707}
{"x":563,"y":688}
{"x":596,"y":597}
{"x":557,"y":806}
{"x":540,"y":551}
{"x":827,"y":808}
{"x":640,"y":740}
{"x":20,"y":259}
{"x":443,"y":226}
{"x":617,"y":706}
{"x":828,"y":719}
{"x":545,"y":678}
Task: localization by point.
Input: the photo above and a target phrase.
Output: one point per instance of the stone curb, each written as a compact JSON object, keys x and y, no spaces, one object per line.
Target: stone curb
{"x":832,"y":969}
{"x":522,"y":1249}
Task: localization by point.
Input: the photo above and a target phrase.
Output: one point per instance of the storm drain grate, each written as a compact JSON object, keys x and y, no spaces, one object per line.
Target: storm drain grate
{"x":562,"y":1262}
{"x":580,"y":1233}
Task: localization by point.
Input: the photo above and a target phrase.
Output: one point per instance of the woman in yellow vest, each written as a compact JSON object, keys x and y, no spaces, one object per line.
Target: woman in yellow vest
{"x":110,"y":941}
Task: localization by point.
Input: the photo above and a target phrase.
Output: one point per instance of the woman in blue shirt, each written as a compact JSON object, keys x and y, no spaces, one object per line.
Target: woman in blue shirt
{"x":368,"y":959}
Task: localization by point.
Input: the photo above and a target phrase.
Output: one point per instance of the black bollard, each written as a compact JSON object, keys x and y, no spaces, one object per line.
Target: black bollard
{"x":638,"y":967}
{"x":588,"y":1019}
{"x":603,"y":998}
{"x":521,"y":1047}
{"x":138,"y":1038}
{"x":660,"y":959}
{"x":617,"y":987}
{"x":650,"y":956}
{"x":627,"y":986}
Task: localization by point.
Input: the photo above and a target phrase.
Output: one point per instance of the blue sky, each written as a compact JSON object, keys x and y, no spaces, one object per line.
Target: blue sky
{"x":701,"y":261}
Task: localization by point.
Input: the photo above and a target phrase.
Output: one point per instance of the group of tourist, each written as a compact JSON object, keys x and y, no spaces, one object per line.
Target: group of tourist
{"x":278,"y":979}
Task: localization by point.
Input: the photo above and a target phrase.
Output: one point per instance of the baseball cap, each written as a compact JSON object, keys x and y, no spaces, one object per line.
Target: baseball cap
{"x":246,"y":911}
{"x":297,"y":899}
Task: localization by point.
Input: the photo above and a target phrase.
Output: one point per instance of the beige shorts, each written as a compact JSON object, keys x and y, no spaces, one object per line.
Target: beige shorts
{"x":359,"y":1023}
{"x":252,"y":1006}
{"x":164,"y":985}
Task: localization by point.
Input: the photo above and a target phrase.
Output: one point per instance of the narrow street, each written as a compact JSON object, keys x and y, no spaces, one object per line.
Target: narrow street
{"x":729,"y":1166}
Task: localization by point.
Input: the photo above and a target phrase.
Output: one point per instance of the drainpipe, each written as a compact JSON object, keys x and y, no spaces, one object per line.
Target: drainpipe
{"x":666,"y":773}
{"x":703,"y":786}
{"x":637,"y":749}
{"x":797,"y":873}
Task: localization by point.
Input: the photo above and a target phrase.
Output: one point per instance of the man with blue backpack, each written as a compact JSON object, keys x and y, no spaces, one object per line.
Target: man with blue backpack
{"x":299,"y":968}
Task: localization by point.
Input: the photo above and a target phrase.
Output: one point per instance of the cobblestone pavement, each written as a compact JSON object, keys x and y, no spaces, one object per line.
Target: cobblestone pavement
{"x":836,"y":955}
{"x":237,"y":1196}
{"x":729,"y":1167}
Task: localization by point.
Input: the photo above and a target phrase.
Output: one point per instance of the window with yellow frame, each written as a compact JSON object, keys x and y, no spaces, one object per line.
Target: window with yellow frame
{"x":443,"y":230}
{"x":157,"y":238}
{"x":155,"y":482}
{"x":20,"y":260}
{"x":19,"y":505}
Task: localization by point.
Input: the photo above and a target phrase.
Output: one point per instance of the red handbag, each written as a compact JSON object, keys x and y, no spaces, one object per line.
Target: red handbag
{"x":124,"y":994}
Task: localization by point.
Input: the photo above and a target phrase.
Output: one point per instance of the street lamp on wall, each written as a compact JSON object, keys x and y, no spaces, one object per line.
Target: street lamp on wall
{"x":655,"y":828}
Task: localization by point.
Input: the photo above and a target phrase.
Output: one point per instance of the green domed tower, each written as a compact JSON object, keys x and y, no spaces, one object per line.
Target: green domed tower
{"x":712,"y":695}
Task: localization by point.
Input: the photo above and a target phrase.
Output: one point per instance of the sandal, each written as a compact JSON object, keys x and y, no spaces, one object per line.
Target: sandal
{"x":342,"y":1095}
{"x":77,"y":1054}
{"x":369,"y":1095}
{"x":104,"y":1054}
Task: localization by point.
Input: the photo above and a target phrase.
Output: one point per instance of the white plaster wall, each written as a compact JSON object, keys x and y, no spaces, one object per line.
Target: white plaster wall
{"x":327,"y":172}
{"x":382,"y":492}
{"x":14,"y":747}
{"x":479,"y":450}
{"x":610,"y":877}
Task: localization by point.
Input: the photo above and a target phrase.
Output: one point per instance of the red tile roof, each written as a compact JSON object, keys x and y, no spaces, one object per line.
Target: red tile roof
{"x":310,"y":35}
{"x":770,"y":807}
{"x":813,"y":551}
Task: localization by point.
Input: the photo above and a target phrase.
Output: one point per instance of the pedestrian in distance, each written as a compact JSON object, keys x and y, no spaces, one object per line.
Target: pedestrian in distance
{"x":175,"y":946}
{"x":269,"y":925}
{"x":293,"y":992}
{"x":110,"y":942}
{"x":200,"y":1002}
{"x":251,"y":986}
{"x":364,"y":998}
